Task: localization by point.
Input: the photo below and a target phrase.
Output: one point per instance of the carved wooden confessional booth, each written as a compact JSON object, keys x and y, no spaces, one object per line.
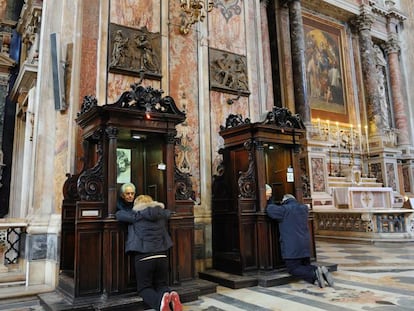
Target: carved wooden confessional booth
{"x":133,"y":140}
{"x":254,"y":154}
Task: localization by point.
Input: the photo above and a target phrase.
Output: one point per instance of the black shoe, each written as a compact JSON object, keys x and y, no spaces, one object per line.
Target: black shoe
{"x":319,"y":277}
{"x":327,"y":276}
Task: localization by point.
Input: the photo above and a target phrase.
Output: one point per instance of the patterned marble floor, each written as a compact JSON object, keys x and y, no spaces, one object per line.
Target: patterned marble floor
{"x":377,"y":277}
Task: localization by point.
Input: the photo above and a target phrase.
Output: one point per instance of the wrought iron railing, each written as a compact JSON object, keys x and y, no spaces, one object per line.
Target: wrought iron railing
{"x":12,"y":233}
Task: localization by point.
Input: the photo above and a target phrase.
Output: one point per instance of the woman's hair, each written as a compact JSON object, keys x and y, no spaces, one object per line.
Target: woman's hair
{"x":128,"y":184}
{"x":143,"y":198}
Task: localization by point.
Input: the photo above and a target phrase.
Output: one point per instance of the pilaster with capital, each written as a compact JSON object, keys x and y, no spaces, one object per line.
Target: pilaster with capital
{"x":392,"y":49}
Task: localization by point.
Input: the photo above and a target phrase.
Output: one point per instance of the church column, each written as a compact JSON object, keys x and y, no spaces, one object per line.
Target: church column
{"x":297,"y":37}
{"x":363,"y":24}
{"x":392,"y":49}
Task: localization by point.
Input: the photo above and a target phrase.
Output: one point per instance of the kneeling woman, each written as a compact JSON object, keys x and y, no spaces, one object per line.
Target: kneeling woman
{"x":149,"y":241}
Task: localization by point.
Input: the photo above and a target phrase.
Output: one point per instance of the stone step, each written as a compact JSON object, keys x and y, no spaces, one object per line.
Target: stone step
{"x":59,"y":300}
{"x":12,"y":279}
{"x":22,"y":291}
{"x":21,"y":304}
{"x":255,"y":278}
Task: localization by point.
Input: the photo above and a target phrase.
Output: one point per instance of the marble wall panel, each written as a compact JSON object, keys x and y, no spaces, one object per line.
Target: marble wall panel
{"x":227,"y":26}
{"x":267,"y":62}
{"x":88,"y":72}
{"x":134,"y":14}
{"x":318,"y":174}
{"x":137,"y":14}
{"x":184,"y":86}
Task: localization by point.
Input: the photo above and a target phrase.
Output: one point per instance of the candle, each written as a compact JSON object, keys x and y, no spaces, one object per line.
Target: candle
{"x":329,"y":129}
{"x":360,"y":138}
{"x":352,"y":139}
{"x":337,"y":134}
{"x":366,"y":135}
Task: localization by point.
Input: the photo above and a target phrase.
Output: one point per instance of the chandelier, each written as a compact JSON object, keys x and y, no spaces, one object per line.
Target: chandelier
{"x":193,"y":11}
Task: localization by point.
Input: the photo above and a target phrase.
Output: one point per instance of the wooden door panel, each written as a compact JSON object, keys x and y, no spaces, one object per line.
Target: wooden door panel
{"x":277,"y":162}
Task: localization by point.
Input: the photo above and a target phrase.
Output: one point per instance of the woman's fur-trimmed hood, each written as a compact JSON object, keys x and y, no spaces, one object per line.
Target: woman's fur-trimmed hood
{"x":143,"y":205}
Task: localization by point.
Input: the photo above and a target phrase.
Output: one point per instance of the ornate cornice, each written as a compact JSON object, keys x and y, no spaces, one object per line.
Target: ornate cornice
{"x":365,"y":19}
{"x":391,"y":12}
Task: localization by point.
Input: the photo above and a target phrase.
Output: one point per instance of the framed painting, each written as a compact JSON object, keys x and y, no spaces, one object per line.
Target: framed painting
{"x":326,"y":68}
{"x":123,"y":164}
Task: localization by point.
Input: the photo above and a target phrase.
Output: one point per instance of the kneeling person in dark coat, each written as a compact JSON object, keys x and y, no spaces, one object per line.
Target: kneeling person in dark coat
{"x":149,"y":241}
{"x":292,"y":217}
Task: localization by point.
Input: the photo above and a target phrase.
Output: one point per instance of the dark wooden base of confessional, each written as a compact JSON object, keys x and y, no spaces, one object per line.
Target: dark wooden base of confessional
{"x":255,"y":278}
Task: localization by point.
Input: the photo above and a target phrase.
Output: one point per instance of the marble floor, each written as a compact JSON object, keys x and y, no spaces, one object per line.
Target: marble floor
{"x":376,"y":277}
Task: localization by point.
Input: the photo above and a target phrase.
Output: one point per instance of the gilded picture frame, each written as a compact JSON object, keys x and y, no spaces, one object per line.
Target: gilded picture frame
{"x":327,"y":65}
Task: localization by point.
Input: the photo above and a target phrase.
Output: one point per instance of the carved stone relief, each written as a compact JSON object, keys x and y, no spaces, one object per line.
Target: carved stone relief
{"x":228,"y":72}
{"x":134,"y":51}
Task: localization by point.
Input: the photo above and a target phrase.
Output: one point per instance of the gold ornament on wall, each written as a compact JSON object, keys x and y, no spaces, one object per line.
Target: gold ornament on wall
{"x":193,"y":11}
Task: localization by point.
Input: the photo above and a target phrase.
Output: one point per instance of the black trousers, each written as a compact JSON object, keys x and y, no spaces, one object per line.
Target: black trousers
{"x":152,"y":280}
{"x":301,"y":268}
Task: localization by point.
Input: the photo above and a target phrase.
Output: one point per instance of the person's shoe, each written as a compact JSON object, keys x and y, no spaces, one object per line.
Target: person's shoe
{"x":165,"y":302}
{"x":327,"y":276}
{"x":175,"y":301}
{"x":319,"y":277}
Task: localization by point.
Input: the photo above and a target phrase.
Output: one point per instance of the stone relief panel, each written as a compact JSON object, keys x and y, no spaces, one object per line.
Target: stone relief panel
{"x":391,"y":182}
{"x":38,"y":246}
{"x":342,"y":222}
{"x":318,"y":175}
{"x":376,"y":171}
{"x":135,"y":52}
{"x":228,"y":72}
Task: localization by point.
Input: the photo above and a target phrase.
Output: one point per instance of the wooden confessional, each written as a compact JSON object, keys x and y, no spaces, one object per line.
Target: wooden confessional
{"x":133,"y":140}
{"x":254,"y":154}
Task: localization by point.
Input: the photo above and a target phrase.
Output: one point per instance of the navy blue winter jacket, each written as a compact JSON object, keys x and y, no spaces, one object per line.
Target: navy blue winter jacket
{"x":292,"y":217}
{"x":147,"y":228}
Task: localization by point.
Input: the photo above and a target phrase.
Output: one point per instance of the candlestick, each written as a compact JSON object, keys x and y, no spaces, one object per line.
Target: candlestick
{"x":319,"y":126}
{"x":337,"y":134}
{"x":330,"y":160}
{"x":329,"y":129}
{"x":360,"y":147}
{"x":352,"y":138}
{"x":366,"y":137}
{"x":367,"y":141}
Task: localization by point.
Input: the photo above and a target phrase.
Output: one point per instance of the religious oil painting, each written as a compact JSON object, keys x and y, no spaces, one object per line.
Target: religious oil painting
{"x":325,"y":68}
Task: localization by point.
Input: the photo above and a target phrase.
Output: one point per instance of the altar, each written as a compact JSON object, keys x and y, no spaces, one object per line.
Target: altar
{"x":363,"y":197}
{"x":364,"y":212}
